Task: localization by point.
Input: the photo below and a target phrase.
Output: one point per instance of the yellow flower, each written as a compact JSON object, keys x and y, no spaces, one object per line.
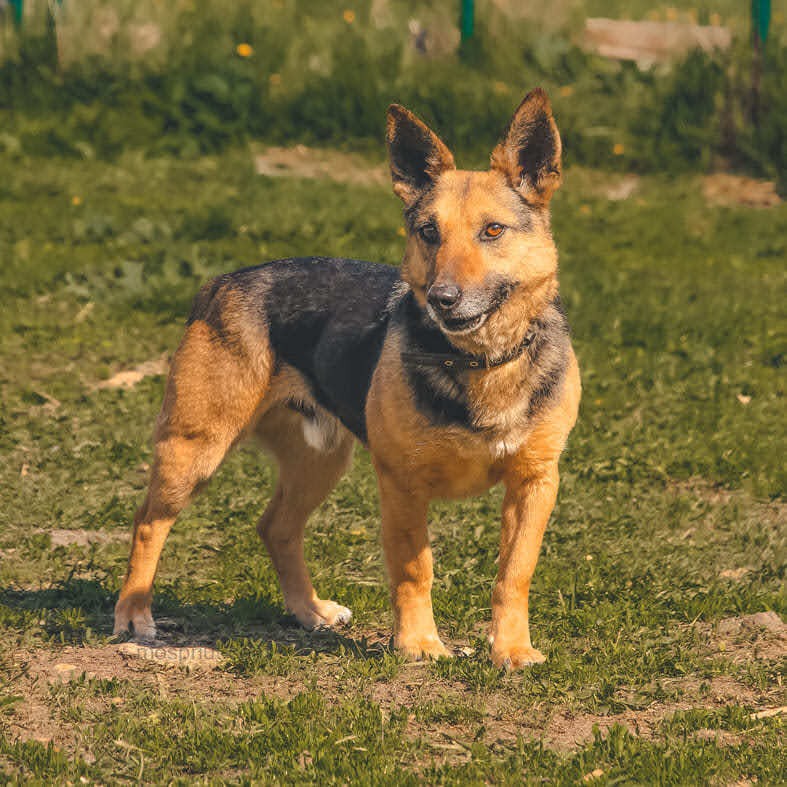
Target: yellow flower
{"x":715,"y":20}
{"x":274,"y":80}
{"x":349,"y":16}
{"x":501,"y":88}
{"x":76,"y":200}
{"x":566,"y":91}
{"x":618,"y":149}
{"x":672,"y":14}
{"x":584,"y":210}
{"x":401,"y":231}
{"x":244,"y":50}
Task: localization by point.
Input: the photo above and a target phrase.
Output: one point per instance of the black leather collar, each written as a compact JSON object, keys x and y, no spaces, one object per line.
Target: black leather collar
{"x":465,"y":361}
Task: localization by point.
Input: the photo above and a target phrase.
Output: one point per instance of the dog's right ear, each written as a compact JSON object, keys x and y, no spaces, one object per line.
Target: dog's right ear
{"x":417,"y":154}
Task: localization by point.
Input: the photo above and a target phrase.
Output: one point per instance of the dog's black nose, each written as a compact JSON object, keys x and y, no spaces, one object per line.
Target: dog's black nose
{"x":443,"y":296}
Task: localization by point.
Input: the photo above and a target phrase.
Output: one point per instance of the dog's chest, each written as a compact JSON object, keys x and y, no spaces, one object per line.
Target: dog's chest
{"x":506,"y":432}
{"x":449,"y":465}
{"x":494,"y":403}
{"x":467,"y":457}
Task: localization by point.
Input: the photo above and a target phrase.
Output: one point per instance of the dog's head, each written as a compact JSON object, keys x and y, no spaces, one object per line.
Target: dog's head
{"x":480,"y":257}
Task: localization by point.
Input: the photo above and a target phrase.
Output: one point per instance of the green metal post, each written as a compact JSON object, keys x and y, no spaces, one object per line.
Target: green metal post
{"x":761,"y":18}
{"x":18,"y":6}
{"x":468,"y":19}
{"x":760,"y":23}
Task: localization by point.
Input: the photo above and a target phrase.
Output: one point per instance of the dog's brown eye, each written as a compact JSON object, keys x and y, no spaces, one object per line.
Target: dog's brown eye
{"x":493,"y":230}
{"x":429,"y":233}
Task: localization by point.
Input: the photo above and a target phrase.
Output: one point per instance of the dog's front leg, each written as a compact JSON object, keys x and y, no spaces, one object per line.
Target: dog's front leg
{"x":408,"y":558}
{"x":526,"y":509}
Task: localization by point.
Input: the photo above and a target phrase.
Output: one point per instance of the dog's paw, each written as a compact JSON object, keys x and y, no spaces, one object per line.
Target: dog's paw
{"x":421,"y":648}
{"x":516,"y":657}
{"x":317,"y":614}
{"x":135,"y":618}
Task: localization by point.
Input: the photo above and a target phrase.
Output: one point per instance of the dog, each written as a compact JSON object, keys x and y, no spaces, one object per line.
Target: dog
{"x":456,"y":371}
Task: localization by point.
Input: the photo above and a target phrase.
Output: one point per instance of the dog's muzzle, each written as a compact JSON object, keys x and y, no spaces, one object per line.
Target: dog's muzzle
{"x":458,"y":311}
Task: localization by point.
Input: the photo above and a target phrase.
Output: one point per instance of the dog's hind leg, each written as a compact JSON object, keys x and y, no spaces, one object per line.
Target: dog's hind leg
{"x":312,"y":455}
{"x":212,"y":397}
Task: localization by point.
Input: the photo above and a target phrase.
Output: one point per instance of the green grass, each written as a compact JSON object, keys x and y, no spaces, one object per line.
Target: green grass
{"x":324,"y":73}
{"x":669,"y":481}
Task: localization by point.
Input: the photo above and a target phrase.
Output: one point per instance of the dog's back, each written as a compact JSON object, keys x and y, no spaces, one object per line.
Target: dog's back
{"x":324,"y":317}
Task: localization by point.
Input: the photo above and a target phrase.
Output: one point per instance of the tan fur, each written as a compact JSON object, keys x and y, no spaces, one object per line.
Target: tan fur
{"x":211,"y":398}
{"x":417,"y":461}
{"x":539,"y":185}
{"x":306,"y":477}
{"x":440,"y":159}
{"x":463,"y":202}
{"x":224,"y":387}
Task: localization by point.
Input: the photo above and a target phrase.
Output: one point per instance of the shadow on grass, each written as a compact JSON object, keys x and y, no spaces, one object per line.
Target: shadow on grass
{"x":76,"y":610}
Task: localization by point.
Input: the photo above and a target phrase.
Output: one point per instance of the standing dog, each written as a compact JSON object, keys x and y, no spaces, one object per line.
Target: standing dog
{"x":457,"y":372}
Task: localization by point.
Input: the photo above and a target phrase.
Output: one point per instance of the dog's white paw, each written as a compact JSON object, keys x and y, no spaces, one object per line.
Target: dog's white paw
{"x":317,"y":614}
{"x":415,"y":648}
{"x":134,"y":618}
{"x":517,"y":657}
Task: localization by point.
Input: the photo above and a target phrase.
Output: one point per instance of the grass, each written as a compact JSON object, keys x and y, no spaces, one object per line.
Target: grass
{"x":170,"y":79}
{"x":674,"y":478}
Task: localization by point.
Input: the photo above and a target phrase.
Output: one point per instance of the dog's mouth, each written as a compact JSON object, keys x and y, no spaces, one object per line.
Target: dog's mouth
{"x":458,"y":325}
{"x":462,"y":324}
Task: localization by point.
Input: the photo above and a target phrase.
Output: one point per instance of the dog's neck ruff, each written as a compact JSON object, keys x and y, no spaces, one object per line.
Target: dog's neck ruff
{"x":460,"y":361}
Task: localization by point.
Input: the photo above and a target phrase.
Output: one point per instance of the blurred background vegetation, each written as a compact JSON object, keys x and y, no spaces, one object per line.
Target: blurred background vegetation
{"x":92,"y":78}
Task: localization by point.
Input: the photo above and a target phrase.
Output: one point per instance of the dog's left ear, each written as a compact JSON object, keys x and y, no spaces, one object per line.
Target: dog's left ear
{"x":529,"y":154}
{"x":417,"y":154}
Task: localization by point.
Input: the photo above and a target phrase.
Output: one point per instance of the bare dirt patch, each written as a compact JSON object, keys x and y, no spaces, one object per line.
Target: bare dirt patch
{"x":36,"y":672}
{"x":730,"y":190}
{"x":492,"y":717}
{"x":621,"y":188}
{"x":304,"y":162}
{"x":60,"y":537}
{"x":301,"y":161}
{"x":651,"y":42}
{"x":107,"y":662}
{"x":565,"y":728}
{"x":199,"y":656}
{"x":767,"y":621}
{"x":568,"y":730}
{"x":774,"y":511}
{"x":130,"y":377}
{"x":178,"y":672}
{"x":761,"y":636}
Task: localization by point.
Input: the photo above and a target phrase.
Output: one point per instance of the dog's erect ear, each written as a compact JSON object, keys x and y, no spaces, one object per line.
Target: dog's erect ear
{"x":529,"y":154}
{"x":417,"y":154}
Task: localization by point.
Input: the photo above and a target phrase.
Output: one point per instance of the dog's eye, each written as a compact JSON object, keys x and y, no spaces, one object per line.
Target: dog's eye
{"x":493,"y":230}
{"x":429,"y":233}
